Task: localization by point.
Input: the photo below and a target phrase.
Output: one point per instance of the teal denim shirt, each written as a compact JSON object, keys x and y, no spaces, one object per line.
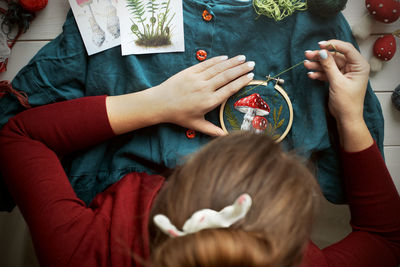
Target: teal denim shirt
{"x":62,"y":70}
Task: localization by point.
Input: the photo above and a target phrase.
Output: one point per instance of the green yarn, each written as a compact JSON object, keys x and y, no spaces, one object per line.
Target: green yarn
{"x":278,"y":9}
{"x":326,"y":8}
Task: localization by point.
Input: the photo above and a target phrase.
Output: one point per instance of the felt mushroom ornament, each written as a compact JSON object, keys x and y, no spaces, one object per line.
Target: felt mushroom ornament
{"x":252,"y":105}
{"x":33,"y":5}
{"x":385,"y":11}
{"x":259,"y":124}
{"x":384,"y":49}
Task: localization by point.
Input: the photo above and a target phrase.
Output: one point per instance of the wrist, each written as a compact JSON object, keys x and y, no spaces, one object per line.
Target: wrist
{"x":350,"y":122}
{"x":354,"y":135}
{"x":133,"y":111}
{"x":156,"y":111}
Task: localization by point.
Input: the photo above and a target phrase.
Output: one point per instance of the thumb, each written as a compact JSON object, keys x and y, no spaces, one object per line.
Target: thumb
{"x":329,"y":65}
{"x":208,"y":128}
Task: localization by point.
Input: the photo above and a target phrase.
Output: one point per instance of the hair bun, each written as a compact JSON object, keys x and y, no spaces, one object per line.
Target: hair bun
{"x":217,"y":247}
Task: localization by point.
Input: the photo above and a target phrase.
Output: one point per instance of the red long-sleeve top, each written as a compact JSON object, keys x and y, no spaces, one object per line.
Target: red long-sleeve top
{"x":67,"y":232}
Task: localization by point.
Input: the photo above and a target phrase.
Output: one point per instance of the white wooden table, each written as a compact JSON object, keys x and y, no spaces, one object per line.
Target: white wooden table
{"x":332,"y":223}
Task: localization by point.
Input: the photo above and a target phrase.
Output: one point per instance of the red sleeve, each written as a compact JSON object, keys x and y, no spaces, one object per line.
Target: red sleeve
{"x":30,"y":144}
{"x":375,"y":213}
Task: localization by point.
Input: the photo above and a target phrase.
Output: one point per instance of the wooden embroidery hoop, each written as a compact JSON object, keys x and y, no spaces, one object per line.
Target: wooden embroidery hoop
{"x":284,"y":95}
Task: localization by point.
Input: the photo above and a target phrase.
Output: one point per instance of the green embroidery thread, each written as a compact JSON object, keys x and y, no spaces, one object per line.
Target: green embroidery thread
{"x":271,"y":78}
{"x":278,"y":9}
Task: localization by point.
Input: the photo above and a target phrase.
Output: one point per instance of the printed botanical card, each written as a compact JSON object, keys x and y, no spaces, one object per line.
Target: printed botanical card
{"x":98,"y":23}
{"x":151,"y":26}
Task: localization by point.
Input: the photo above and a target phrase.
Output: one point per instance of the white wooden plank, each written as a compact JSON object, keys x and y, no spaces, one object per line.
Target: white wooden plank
{"x":21,"y":53}
{"x":48,"y":22}
{"x":392,"y":119}
{"x":388,"y":78}
{"x":392,"y":157}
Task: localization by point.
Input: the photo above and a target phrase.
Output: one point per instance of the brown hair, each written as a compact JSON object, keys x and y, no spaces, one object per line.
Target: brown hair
{"x":275,"y":230}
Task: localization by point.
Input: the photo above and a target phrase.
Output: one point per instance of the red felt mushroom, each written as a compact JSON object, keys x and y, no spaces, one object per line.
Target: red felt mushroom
{"x":384,"y":49}
{"x":252,"y":105}
{"x":259,"y":124}
{"x":386,"y":11}
{"x":33,"y":5}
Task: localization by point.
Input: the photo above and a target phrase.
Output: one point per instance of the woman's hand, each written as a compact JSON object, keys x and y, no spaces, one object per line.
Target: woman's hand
{"x":184,"y":98}
{"x":347,"y":73}
{"x":187,"y":96}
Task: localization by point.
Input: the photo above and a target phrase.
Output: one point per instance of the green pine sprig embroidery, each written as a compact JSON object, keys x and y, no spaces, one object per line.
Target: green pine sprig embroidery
{"x":231,"y":118}
{"x":272,"y":128}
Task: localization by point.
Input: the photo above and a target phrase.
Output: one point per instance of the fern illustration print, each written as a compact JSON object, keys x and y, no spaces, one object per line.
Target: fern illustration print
{"x":154,"y":26}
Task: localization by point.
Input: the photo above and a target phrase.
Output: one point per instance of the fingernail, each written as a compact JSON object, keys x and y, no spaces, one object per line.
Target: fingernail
{"x":224,"y":58}
{"x":306,"y":60}
{"x":250,"y":75}
{"x":310,"y":72}
{"x":322,"y":42}
{"x":323,"y":54}
{"x":241,"y":58}
{"x":251,"y":64}
{"x":307,"y":51}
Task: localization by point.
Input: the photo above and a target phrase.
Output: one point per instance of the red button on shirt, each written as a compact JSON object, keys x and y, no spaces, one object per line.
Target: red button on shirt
{"x":207,"y":16}
{"x":190,"y":134}
{"x":201,"y":55}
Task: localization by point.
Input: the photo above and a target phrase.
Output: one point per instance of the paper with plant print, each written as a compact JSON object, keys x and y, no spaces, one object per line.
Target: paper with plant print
{"x":98,"y":23}
{"x":151,"y":26}
{"x":272,"y":123}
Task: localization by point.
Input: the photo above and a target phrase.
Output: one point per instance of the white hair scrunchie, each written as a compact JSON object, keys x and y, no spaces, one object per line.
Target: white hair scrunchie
{"x":207,"y":218}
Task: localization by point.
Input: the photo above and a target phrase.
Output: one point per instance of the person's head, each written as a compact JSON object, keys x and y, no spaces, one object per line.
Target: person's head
{"x":275,"y":230}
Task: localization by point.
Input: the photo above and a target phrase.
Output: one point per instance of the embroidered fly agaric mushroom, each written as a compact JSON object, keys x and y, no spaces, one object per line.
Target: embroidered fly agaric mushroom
{"x":252,"y":105}
{"x":259,"y":124}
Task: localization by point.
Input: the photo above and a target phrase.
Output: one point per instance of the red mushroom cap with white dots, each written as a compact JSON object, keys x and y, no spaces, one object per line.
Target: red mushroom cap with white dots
{"x":253,"y":101}
{"x":259,"y":123}
{"x":385,"y":47}
{"x":386,"y":11}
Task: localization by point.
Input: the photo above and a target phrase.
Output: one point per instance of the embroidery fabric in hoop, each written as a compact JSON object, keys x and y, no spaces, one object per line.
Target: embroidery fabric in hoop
{"x":277,"y":123}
